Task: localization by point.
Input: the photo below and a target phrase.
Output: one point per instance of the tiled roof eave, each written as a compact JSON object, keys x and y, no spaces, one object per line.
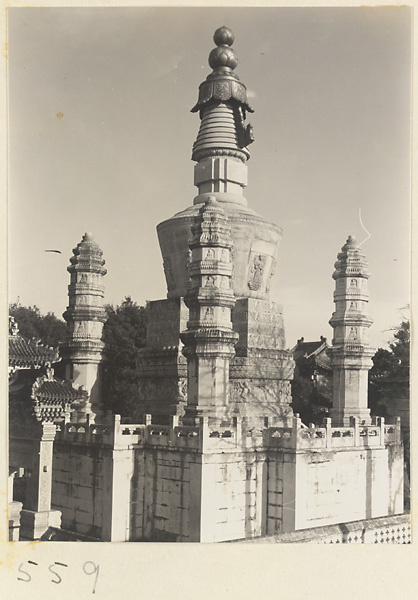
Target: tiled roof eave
{"x":58,"y":397}
{"x":25,"y":363}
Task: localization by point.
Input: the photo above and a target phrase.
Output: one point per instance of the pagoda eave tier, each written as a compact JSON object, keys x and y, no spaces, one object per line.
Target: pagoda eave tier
{"x":346,"y":319}
{"x":89,"y":313}
{"x":255,"y":247}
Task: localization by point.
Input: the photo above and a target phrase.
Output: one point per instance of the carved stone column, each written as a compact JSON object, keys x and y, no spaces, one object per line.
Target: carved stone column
{"x":37,"y":515}
{"x":209,"y":339}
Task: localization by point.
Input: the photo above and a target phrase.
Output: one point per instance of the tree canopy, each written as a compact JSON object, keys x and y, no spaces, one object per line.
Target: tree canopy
{"x":389,"y":376}
{"x":124,"y":334}
{"x":311,"y":392}
{"x":394,"y":363}
{"x":34,"y":325}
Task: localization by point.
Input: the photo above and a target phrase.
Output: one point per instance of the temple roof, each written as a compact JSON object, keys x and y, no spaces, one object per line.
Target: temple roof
{"x":53,"y":398}
{"x":28,"y":354}
{"x":314,"y":350}
{"x":56,"y":389}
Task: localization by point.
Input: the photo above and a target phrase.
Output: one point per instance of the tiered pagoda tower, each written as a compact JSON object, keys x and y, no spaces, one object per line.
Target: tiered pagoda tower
{"x":82,"y":352}
{"x":261,"y":371}
{"x":209,"y":339}
{"x":350,"y":352}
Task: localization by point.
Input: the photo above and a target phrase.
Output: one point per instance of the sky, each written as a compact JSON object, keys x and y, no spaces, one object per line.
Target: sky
{"x":100,"y":136}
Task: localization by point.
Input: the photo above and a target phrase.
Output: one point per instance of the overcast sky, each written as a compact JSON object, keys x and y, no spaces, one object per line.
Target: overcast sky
{"x":331,"y":93}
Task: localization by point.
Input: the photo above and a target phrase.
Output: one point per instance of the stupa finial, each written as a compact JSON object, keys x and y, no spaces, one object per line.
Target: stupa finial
{"x":223,"y":105}
{"x":223,"y":36}
{"x":223,"y":57}
{"x":223,"y":85}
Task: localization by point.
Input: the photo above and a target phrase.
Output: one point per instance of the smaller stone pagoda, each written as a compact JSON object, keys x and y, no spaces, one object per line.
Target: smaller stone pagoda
{"x":82,"y":352}
{"x":350,"y":352}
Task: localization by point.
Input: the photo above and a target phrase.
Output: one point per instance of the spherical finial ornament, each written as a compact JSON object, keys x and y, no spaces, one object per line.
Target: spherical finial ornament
{"x":223,"y":36}
{"x":223,"y":56}
{"x":88,"y":237}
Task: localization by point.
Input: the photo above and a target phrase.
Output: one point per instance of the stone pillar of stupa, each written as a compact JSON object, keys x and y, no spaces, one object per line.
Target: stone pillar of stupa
{"x":82,"y":351}
{"x":261,"y":371}
{"x":350,"y":352}
{"x":209,"y":339}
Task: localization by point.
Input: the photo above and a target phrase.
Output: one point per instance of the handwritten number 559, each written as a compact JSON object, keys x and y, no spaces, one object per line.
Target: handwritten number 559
{"x":89,"y":568}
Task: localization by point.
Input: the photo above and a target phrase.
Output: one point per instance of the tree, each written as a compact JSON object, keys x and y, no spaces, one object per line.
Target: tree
{"x":390,"y":371}
{"x":34,"y":325}
{"x":311,"y":391}
{"x":389,"y":379}
{"x":124,"y":334}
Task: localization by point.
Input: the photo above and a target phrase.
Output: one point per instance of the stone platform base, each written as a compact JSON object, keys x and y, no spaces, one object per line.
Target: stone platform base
{"x":260,"y":372}
{"x":35,"y":524}
{"x":162,"y":367}
{"x":384,"y":530}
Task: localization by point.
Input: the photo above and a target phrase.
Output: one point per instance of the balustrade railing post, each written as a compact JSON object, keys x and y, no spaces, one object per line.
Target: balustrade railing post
{"x":67,"y":417}
{"x":328,"y":432}
{"x":380,"y":421}
{"x":296,"y":425}
{"x":115,"y":429}
{"x":237,"y":430}
{"x":88,"y":419}
{"x":398,"y":430}
{"x":174,"y":421}
{"x":203,"y":433}
{"x":147,"y":422}
{"x":354,"y":422}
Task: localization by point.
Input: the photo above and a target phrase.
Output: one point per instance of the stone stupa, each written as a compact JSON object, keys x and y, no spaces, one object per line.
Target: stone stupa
{"x":260,"y":372}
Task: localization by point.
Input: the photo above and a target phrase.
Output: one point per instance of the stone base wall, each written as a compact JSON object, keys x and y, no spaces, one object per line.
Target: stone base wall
{"x":334,"y":487}
{"x":322,"y":476}
{"x":200,"y":484}
{"x":233,"y":496}
{"x":207,"y":489}
{"x":164,"y":486}
{"x":77,"y":487}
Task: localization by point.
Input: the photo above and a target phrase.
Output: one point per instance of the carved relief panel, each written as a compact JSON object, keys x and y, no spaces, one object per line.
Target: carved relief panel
{"x":256,"y":272}
{"x":168,"y":273}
